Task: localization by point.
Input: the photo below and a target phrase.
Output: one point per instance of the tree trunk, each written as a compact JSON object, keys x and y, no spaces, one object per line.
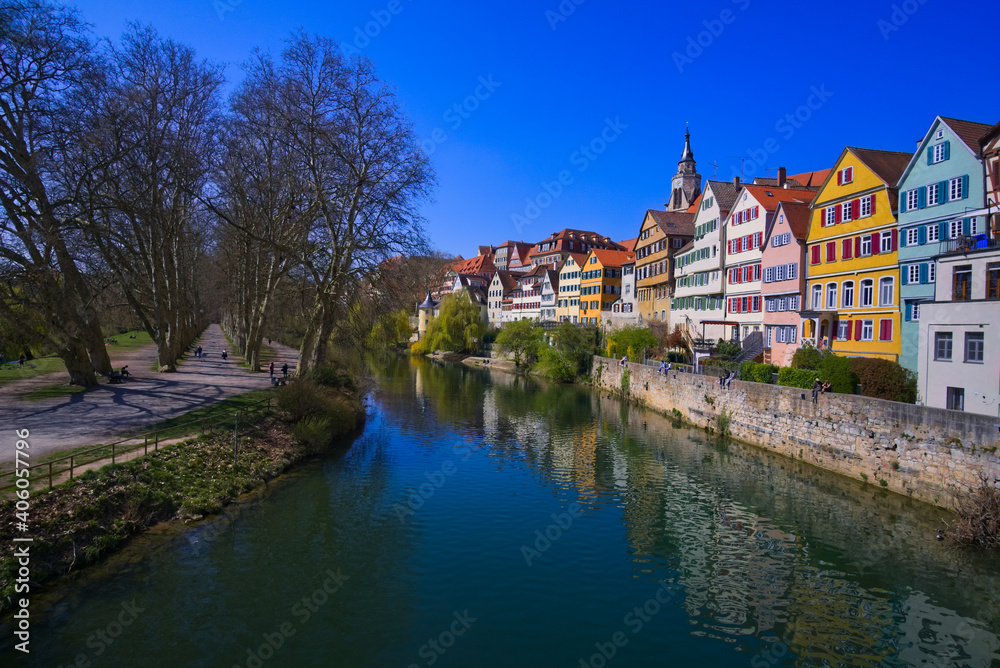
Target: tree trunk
{"x":316,"y":341}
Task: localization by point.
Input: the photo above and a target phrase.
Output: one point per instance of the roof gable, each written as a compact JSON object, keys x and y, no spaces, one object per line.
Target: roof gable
{"x":967,"y":133}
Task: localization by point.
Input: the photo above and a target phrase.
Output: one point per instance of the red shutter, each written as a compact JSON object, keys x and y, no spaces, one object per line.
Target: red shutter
{"x":875,"y":243}
{"x":849,"y":331}
{"x":846,"y":248}
{"x":836,"y":213}
{"x":756,"y":210}
{"x":833,"y":330}
{"x":873,"y":204}
{"x":857,"y":330}
{"x":855,"y":209}
{"x":857,"y":246}
{"x":885,"y":330}
{"x":822,"y":217}
{"x":840,"y":177}
{"x":895,"y":234}
{"x":831,"y":251}
{"x":814,"y":259}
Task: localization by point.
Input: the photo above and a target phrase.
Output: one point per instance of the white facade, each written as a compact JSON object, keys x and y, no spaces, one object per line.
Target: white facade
{"x":548,"y":303}
{"x":624,"y":312}
{"x":958,"y":364}
{"x":698,"y":294}
{"x":496,"y":293}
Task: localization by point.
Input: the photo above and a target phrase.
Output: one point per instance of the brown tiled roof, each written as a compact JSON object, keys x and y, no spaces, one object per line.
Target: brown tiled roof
{"x":968,"y":131}
{"x":673,"y":222}
{"x":988,"y":137}
{"x":686,"y":247}
{"x":476,"y":265}
{"x":813,"y":179}
{"x":725,"y":193}
{"x":887,"y":165}
{"x":797,"y":215}
{"x":770,"y":196}
{"x":579,"y":258}
{"x":507,"y":279}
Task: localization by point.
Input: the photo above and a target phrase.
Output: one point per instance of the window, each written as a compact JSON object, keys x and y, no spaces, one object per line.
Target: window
{"x":831,"y":296}
{"x":955,"y":398}
{"x":845,"y":212}
{"x":866,"y":206}
{"x":915,"y":311}
{"x":847,"y":299}
{"x":842,"y":326}
{"x":955,"y":229}
{"x":831,"y":215}
{"x":677,"y":242}
{"x":817,"y":297}
{"x":940,"y":152}
{"x":933,"y":194}
{"x":846,"y":175}
{"x":913,"y":273}
{"x":867,"y":292}
{"x":885,"y":242}
{"x":866,"y":246}
{"x":867,"y":330}
{"x":913,"y":236}
{"x":931,"y":271}
{"x":886,"y":294}
{"x":942,"y":346}
{"x":962,"y":291}
{"x":974,"y":347}
{"x":932,"y":232}
{"x":993,"y":280}
{"x":912,"y":199}
{"x":955,"y":189}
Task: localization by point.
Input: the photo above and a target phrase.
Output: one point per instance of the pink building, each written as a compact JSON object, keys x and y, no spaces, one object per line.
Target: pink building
{"x":784,"y":281}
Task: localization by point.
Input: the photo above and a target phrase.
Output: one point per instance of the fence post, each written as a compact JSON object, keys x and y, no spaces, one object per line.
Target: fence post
{"x":50,"y":475}
{"x":156,"y":441}
{"x":112,"y":454}
{"x":236,"y":429}
{"x":71,"y":467}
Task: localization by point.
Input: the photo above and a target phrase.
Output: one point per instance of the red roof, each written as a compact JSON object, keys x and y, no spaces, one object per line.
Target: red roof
{"x":611,"y":258}
{"x":770,"y":196}
{"x":629,"y":244}
{"x":797,"y":216}
{"x":481,"y":264}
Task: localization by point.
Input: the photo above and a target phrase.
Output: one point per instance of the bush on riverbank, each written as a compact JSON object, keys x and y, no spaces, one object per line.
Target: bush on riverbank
{"x":978,"y":521}
{"x":318,"y":413}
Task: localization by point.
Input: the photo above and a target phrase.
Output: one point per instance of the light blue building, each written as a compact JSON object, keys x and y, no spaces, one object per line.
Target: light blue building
{"x":941,"y":197}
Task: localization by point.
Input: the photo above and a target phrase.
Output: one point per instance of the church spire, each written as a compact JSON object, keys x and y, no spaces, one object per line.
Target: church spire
{"x":688,"y":154}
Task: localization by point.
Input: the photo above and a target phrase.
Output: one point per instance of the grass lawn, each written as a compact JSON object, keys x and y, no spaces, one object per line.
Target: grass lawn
{"x":10,"y":372}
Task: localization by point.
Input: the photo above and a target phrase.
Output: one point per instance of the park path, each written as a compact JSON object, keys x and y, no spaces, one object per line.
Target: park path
{"x":108,"y":411}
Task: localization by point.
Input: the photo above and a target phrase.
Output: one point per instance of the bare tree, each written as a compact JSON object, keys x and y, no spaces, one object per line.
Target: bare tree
{"x":149,"y":151}
{"x":46,"y":60}
{"x":365,"y":176}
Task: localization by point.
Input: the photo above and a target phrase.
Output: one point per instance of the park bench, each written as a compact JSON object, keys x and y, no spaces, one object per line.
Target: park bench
{"x":115,"y":377}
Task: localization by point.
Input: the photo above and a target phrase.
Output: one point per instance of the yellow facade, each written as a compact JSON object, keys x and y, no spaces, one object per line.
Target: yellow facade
{"x":600,"y":285}
{"x":568,"y":297}
{"x":652,"y":267}
{"x":852,"y":287}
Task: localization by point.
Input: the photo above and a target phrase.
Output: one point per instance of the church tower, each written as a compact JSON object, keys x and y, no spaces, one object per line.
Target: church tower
{"x":685,"y":186}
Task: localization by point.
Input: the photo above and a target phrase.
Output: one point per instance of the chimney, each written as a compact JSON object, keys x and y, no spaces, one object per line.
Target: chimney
{"x":736,"y":180}
{"x":781,"y":177}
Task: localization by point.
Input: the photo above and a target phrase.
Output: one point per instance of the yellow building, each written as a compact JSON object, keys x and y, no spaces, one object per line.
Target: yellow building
{"x":600,"y":284}
{"x":568,"y":297}
{"x":661,"y":236}
{"x":852,"y":271}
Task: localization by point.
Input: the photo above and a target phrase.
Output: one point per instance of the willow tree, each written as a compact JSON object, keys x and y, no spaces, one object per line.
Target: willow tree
{"x":364,"y":172}
{"x":148,"y":152}
{"x":46,"y":61}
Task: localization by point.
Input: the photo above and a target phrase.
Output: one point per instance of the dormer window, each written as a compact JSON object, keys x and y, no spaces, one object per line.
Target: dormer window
{"x":846,"y":175}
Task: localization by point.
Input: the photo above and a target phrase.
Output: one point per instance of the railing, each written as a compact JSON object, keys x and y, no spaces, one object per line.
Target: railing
{"x":966,"y":243}
{"x":55,"y":468}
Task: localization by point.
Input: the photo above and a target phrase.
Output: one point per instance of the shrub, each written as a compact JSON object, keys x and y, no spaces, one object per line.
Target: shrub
{"x":746,"y":370}
{"x":837,"y":371}
{"x":556,"y":365}
{"x":978,"y":516}
{"x":328,"y":375}
{"x":758,"y":373}
{"x":677,"y":358}
{"x":807,"y":357}
{"x":727,"y":349}
{"x":804,"y":378}
{"x":314,"y":431}
{"x":884,"y":379}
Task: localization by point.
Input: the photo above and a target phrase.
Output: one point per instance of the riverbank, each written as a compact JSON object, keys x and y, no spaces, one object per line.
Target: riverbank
{"x":82,"y":521}
{"x":929,"y":454}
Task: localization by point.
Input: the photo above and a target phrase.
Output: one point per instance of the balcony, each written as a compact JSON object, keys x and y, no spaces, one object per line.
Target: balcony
{"x":969,"y":243}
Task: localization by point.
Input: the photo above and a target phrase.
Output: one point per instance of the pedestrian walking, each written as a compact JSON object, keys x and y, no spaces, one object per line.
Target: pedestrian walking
{"x":20,"y":360}
{"x":272,"y":369}
{"x":225,"y":355}
{"x":284,"y":369}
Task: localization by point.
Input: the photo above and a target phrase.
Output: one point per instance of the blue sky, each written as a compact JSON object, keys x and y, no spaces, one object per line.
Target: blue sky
{"x":578,"y":107}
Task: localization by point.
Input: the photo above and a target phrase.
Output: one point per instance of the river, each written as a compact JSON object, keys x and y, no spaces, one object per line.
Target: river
{"x":483,"y":519}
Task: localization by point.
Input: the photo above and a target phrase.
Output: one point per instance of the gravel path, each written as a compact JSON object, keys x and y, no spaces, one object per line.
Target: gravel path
{"x":101,"y":413}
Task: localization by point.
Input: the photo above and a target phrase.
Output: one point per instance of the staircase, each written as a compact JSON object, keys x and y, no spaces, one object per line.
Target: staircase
{"x":753,"y":345}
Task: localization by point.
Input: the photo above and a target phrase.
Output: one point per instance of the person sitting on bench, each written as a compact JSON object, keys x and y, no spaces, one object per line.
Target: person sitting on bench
{"x":124,"y":372}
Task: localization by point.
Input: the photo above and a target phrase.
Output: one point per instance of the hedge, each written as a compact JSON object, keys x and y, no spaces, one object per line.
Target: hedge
{"x":803,"y":378}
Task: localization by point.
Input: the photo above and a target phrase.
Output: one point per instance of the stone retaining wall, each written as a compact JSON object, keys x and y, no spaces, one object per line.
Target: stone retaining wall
{"x":928,"y":453}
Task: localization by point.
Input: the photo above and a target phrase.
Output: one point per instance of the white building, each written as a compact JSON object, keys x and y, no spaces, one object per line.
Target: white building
{"x":624,"y":312}
{"x":550,"y":285}
{"x":958,"y":364}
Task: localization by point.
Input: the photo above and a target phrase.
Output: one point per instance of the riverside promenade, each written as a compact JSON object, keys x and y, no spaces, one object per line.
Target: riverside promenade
{"x":108,"y":411}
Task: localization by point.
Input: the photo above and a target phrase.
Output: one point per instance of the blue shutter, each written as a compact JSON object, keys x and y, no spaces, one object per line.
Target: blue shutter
{"x":966,"y":227}
{"x":902,"y":201}
{"x":906,"y":310}
{"x":922,"y":197}
{"x":904,"y":274}
{"x":947,"y":150}
{"x":942,"y":231}
{"x":930,"y":155}
{"x":902,"y":237}
{"x":943,"y":192}
{"x":965,"y":186}
{"x":923,"y":272}
{"x":922,"y":234}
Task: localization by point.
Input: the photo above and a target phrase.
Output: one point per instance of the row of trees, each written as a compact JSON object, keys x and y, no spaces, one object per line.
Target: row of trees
{"x":124,"y":171}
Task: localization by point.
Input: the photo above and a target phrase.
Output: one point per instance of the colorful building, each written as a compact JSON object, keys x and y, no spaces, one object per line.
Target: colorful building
{"x":568,"y":299}
{"x":554,"y":249}
{"x":940,"y":198}
{"x":989,"y":151}
{"x":600,"y":284}
{"x":500,"y":288}
{"x":852,"y":266}
{"x":784,"y":281}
